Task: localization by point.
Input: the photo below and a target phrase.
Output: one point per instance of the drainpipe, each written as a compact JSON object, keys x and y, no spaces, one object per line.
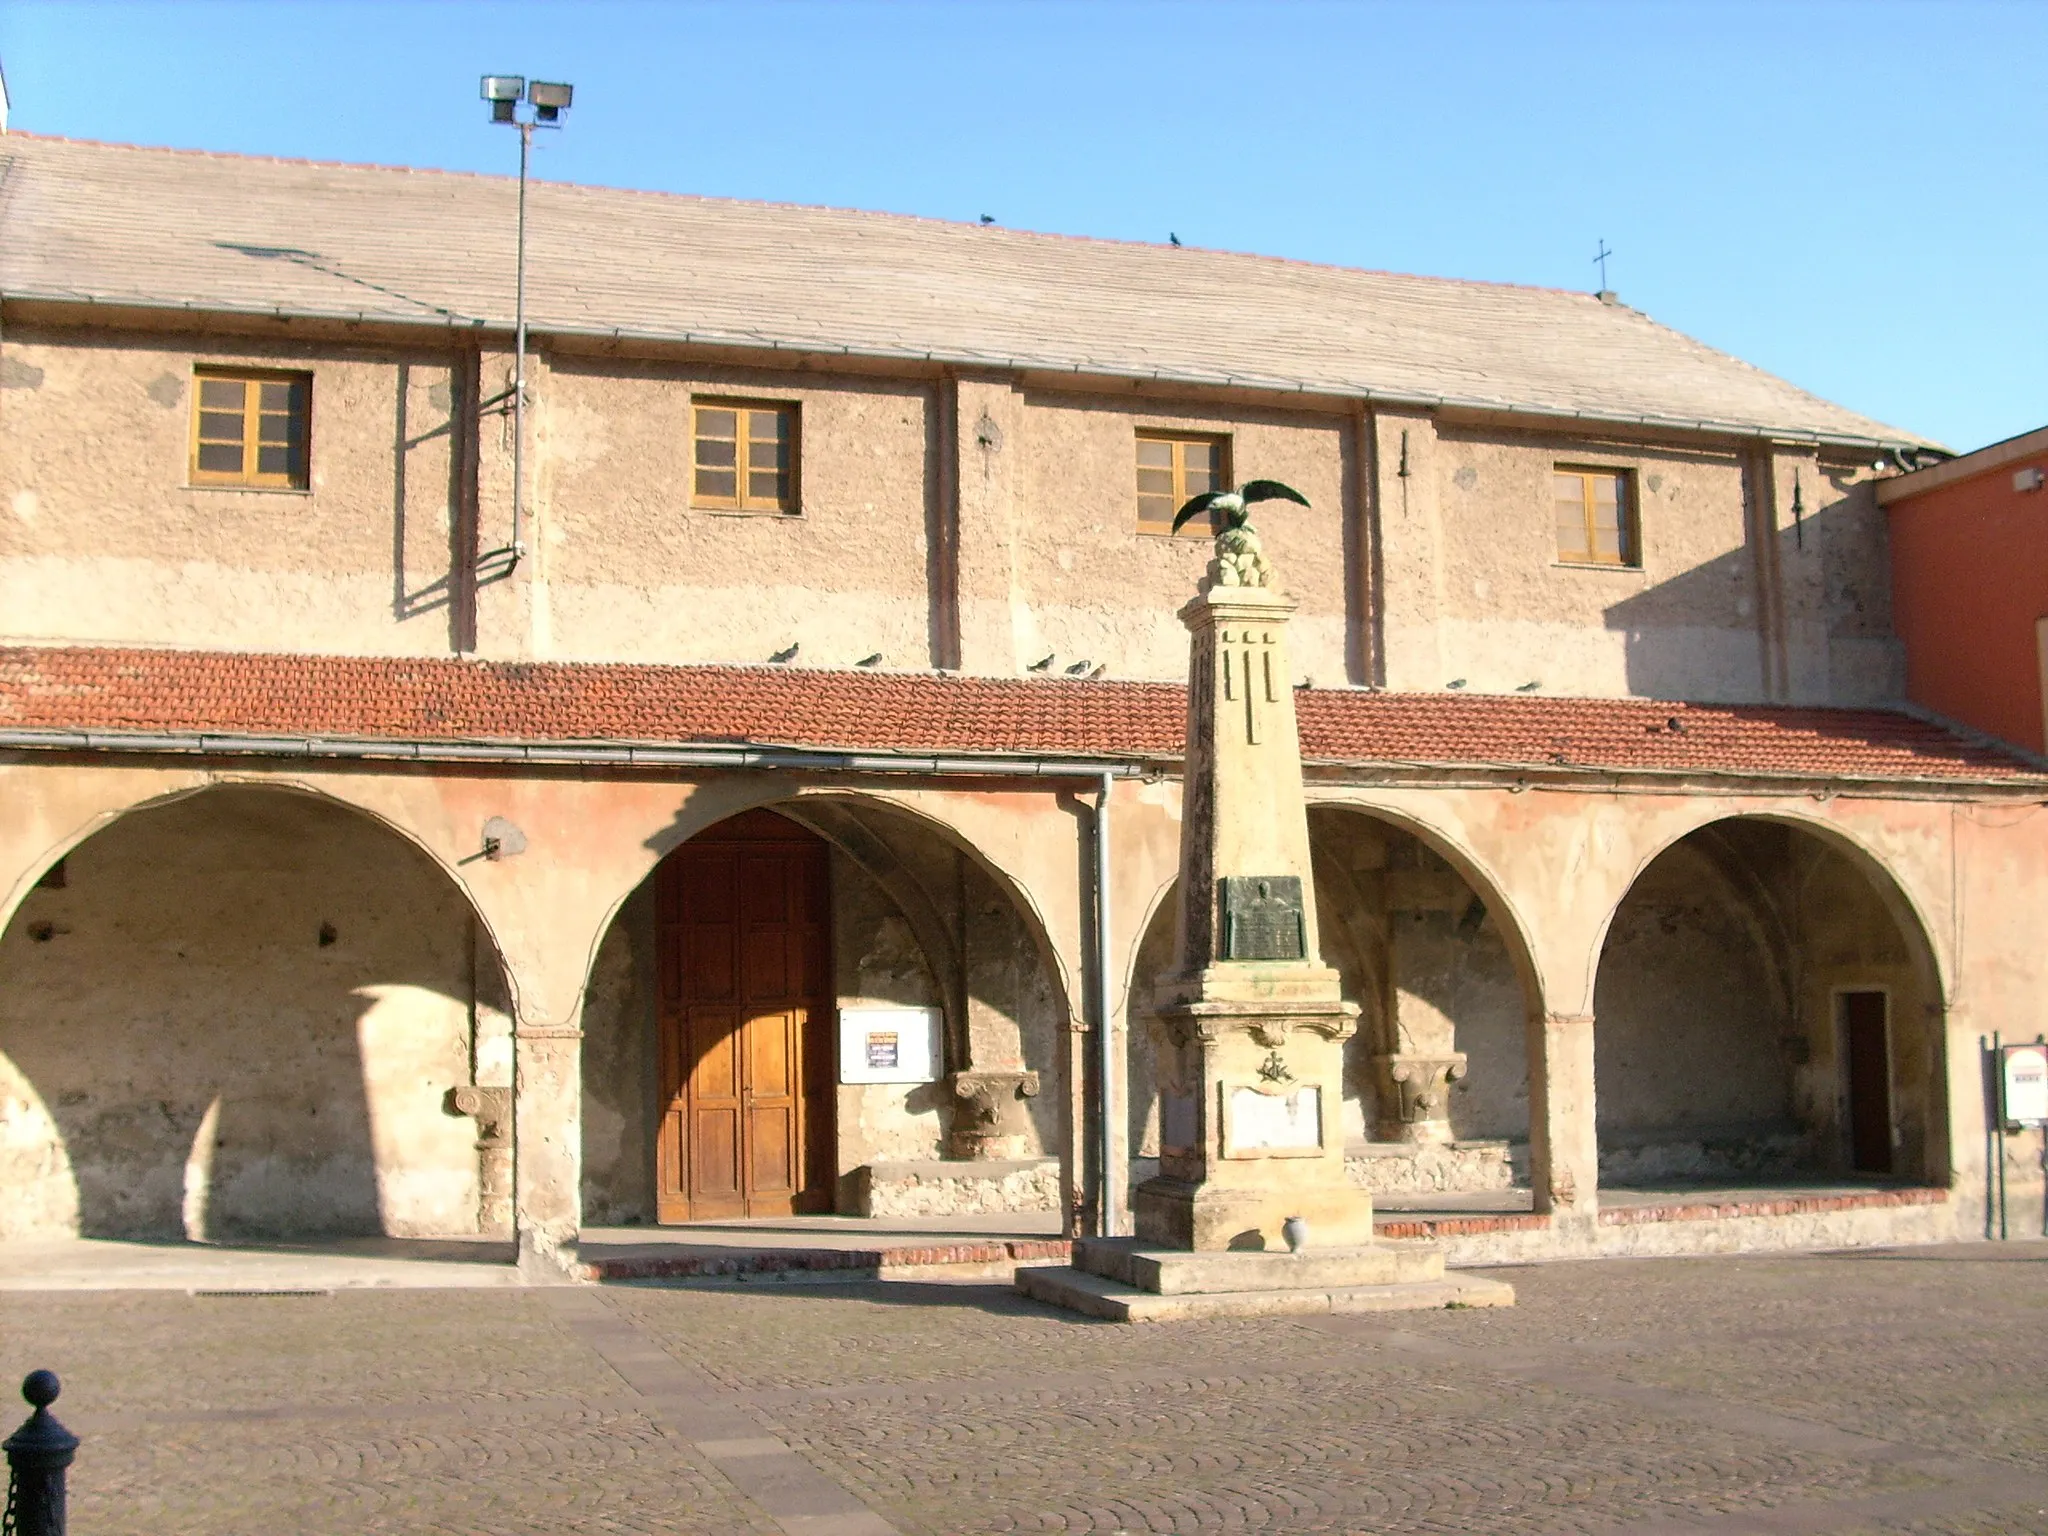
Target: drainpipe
{"x":1105,"y":1032}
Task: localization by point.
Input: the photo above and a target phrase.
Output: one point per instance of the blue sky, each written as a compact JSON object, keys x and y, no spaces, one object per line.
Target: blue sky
{"x":1848,"y":194}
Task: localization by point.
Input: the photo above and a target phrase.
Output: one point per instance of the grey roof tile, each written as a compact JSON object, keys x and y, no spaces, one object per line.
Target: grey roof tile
{"x":122,"y":224}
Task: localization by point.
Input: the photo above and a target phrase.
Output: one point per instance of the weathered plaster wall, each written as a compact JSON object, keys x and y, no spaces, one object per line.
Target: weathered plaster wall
{"x":1092,"y":588}
{"x":634,"y":570}
{"x":972,"y":522}
{"x":1475,"y":591}
{"x":877,"y":962}
{"x":238,"y":1016}
{"x":103,"y":539}
{"x":621,"y":1070}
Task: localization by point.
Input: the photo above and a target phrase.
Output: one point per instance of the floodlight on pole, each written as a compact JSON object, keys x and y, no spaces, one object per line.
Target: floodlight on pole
{"x":549,"y":99}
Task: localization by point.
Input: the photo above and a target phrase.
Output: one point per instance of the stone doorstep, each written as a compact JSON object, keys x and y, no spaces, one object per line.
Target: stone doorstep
{"x":997,"y":1257}
{"x":1781,"y":1205}
{"x":1098,"y":1296}
{"x":1175,"y":1272}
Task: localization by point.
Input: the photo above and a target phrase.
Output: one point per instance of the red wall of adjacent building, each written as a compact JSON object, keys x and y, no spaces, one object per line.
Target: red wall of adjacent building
{"x":1969,"y":586}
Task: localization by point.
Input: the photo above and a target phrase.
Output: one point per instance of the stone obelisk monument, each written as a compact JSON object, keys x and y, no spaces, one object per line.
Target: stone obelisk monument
{"x":1252,"y":1066}
{"x":1251,"y":1211}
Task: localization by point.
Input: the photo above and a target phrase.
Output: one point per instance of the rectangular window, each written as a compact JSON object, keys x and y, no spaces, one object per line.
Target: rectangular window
{"x":745,"y":457}
{"x":1172,"y":466}
{"x":251,"y":429}
{"x":1595,"y":517}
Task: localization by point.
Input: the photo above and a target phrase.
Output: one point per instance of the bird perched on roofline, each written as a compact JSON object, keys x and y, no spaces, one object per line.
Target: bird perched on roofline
{"x":1240,"y":559}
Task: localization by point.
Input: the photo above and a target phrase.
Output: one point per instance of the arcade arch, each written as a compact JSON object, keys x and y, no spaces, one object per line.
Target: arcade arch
{"x":241,"y":1013}
{"x":1767,"y":1007}
{"x":1437,"y":1073}
{"x":915,"y":920}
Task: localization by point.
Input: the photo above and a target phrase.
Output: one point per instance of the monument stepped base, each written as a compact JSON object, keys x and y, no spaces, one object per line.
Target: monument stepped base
{"x":1130,"y":1282}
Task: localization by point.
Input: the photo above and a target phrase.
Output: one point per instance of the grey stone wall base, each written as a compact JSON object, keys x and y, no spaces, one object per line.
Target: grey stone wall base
{"x":545,"y":1260}
{"x":949,"y":1187}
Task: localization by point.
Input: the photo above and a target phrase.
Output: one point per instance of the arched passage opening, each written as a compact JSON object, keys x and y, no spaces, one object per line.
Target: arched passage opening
{"x":932,"y":1054}
{"x":1765,"y":1010}
{"x":244,"y":1014}
{"x":1437,"y":1075}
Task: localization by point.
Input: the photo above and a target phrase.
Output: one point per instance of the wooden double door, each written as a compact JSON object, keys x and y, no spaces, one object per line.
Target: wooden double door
{"x":744,"y":942}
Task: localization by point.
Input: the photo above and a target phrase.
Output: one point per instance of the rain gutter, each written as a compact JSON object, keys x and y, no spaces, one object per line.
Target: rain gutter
{"x":591,"y":754}
{"x":1421,"y":400}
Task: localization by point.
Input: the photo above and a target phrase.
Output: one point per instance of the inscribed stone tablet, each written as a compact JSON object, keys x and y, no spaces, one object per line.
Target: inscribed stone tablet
{"x":1262,"y":918}
{"x":1260,"y":1124}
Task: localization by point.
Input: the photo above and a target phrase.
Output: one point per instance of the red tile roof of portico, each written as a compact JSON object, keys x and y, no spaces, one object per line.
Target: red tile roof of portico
{"x":116,"y":691}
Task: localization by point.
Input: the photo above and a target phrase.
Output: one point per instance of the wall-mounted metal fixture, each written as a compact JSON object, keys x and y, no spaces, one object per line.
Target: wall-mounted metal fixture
{"x":549,"y":100}
{"x":2028,"y":479}
{"x":502,"y":839}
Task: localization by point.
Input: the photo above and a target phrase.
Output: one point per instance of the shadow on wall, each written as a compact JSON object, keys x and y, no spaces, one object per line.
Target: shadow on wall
{"x":237,"y":1016}
{"x":1698,"y":635}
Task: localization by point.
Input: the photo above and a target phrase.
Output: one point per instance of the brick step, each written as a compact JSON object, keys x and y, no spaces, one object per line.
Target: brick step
{"x":957,"y":1260}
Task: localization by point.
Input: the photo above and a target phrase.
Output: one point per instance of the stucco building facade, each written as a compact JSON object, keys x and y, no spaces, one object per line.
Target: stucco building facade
{"x":379,"y":856}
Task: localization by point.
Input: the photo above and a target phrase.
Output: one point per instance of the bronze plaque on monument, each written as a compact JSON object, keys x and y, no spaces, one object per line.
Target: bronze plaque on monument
{"x":1262,"y":918}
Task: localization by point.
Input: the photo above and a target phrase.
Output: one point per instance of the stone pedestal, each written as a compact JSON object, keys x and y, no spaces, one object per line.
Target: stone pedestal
{"x":1415,"y":1096}
{"x":491,"y":1108}
{"x":1250,"y":1115}
{"x":1127,"y":1282}
{"x":988,"y":1114}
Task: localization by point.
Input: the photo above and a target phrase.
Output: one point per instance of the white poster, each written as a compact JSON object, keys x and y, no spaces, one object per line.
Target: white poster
{"x":888,"y":1045}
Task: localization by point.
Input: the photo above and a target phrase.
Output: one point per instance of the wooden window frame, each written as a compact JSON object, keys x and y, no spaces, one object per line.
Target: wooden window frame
{"x":1631,"y":556}
{"x":1201,"y":528}
{"x":250,"y":477}
{"x":741,"y":503}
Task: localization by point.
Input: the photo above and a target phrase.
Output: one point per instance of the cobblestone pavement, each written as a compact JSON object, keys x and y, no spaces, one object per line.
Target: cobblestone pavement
{"x":1851,"y":1393}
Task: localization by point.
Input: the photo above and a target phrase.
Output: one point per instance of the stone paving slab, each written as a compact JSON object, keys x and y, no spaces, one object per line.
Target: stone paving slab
{"x":1113,"y":1301}
{"x":1848,"y":1393}
{"x":100,"y":1264}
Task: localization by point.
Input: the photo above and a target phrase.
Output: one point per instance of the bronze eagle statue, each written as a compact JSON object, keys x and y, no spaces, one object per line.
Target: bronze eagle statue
{"x":1240,"y":560}
{"x":1234,"y":507}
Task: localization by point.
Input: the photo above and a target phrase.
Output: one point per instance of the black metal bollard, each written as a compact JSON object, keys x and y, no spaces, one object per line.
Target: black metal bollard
{"x":37,"y":1454}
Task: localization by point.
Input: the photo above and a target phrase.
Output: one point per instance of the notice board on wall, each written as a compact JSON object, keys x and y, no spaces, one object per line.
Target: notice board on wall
{"x":888,"y":1045}
{"x":2023,"y":1084}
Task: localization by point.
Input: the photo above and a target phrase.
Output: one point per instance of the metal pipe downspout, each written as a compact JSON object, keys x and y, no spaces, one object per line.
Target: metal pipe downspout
{"x":1105,"y":1032}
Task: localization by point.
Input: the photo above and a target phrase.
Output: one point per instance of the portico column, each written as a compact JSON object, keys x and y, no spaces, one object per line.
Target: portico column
{"x":1564,"y":1146}
{"x":547,"y":1146}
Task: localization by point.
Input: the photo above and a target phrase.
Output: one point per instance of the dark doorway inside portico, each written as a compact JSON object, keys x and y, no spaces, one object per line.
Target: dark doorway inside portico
{"x":1866,"y":1049}
{"x":744,"y":946}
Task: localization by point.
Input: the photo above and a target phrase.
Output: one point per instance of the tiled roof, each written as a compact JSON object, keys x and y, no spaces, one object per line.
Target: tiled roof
{"x":437,"y":700}
{"x":120,"y":224}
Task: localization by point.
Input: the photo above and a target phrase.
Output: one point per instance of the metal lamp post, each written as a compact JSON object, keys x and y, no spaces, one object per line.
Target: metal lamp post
{"x":549,"y":99}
